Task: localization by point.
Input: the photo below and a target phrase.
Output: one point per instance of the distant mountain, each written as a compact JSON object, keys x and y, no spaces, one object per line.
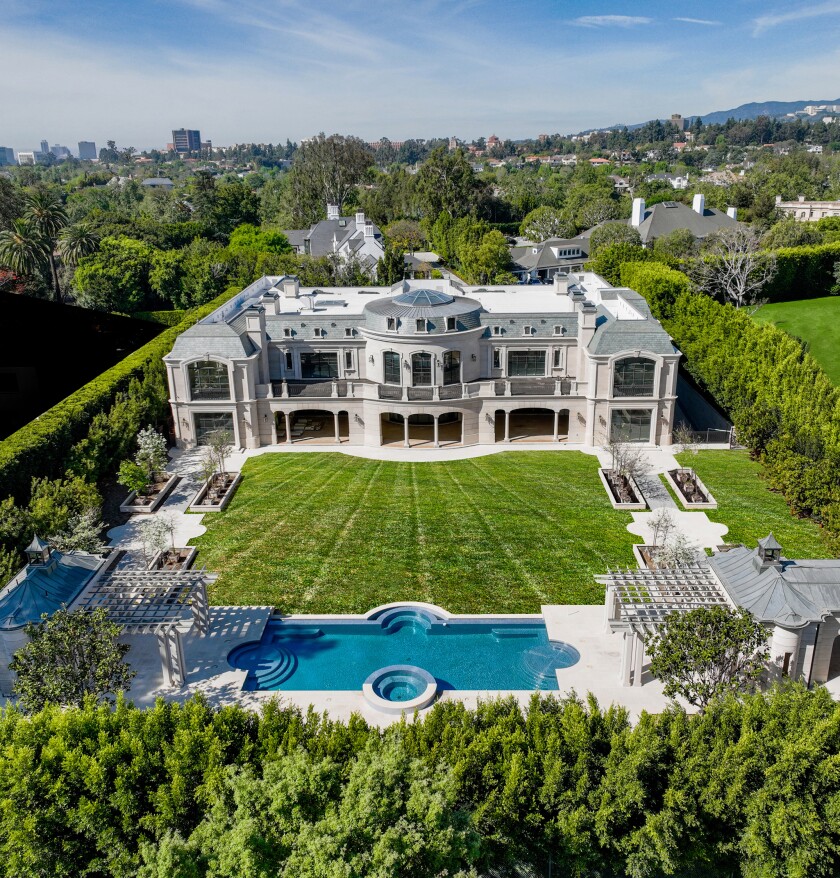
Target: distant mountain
{"x":764,"y":108}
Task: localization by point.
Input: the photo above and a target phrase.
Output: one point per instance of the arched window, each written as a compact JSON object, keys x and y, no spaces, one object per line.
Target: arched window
{"x":209,"y":380}
{"x":633,"y":376}
{"x":391,"y":367}
{"x":452,"y":367}
{"x":421,"y":370}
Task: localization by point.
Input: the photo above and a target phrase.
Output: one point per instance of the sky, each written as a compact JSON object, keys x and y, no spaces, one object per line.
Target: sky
{"x":267,"y":70}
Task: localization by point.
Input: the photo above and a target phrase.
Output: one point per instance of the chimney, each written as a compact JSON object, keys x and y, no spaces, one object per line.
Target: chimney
{"x":638,"y":214}
{"x":271,"y":303}
{"x":368,"y":228}
{"x":561,"y":284}
{"x":332,"y":211}
{"x":732,"y":212}
{"x":778,"y":199}
{"x":801,"y":197}
{"x":699,"y":204}
{"x":360,"y":220}
{"x":291,"y":287}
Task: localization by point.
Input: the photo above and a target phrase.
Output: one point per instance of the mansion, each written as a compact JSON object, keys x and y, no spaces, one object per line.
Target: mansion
{"x":426,"y":363}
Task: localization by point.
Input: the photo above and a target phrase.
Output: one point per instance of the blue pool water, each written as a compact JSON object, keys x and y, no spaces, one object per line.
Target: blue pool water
{"x":310,"y":654}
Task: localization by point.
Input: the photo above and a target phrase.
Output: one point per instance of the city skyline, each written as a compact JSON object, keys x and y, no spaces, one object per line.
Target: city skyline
{"x":261,"y":71}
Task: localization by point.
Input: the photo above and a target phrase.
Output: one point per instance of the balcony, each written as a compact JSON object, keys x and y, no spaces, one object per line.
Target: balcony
{"x":638,"y":390}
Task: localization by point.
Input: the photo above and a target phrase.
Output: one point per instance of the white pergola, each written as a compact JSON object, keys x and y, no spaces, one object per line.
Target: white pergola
{"x":638,"y":601}
{"x":153,"y":602}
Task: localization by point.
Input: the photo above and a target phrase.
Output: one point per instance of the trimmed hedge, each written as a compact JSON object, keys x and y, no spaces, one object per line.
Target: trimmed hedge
{"x":44,"y":447}
{"x":804,"y":273}
{"x":167,"y":318}
{"x":785,"y":408}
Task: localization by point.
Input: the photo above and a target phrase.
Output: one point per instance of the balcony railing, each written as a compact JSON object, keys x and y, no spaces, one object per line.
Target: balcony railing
{"x":201,"y":393}
{"x":620,"y":390}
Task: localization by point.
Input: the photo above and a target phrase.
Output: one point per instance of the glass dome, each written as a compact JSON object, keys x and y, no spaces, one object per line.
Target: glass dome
{"x":423,"y":298}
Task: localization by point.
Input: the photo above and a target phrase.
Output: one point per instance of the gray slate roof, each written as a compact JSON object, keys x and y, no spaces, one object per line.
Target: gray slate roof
{"x":466,"y":311}
{"x":613,"y":336}
{"x":321,"y":235}
{"x":218,"y":339}
{"x":792,"y":594}
{"x":668,"y":216}
{"x":524,"y":256}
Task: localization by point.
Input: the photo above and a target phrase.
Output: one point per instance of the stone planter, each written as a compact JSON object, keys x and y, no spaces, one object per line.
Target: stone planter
{"x":644,"y":556}
{"x":632,"y":499}
{"x":692,"y":492}
{"x":212,"y":496}
{"x":174,"y":559}
{"x":152,"y":501}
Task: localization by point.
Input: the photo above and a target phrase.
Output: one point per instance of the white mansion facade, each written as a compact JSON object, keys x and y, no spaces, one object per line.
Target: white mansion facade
{"x":426,"y":362}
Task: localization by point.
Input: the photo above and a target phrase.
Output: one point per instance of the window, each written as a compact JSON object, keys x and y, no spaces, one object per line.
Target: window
{"x":348,"y":332}
{"x":630,"y":425}
{"x":558,"y":358}
{"x":319,"y":365}
{"x":450,"y":323}
{"x":421,"y":324}
{"x":391,"y":367}
{"x":212,"y":422}
{"x":527,"y":330}
{"x":497,"y":358}
{"x":209,"y":380}
{"x":526,"y":363}
{"x":287,"y":332}
{"x":392,"y":323}
{"x":559,"y":330}
{"x":452,"y":367}
{"x":633,"y":376}
{"x":497,"y":330}
{"x":348,"y":359}
{"x":319,"y":333}
{"x":421,"y":370}
{"x":290,"y":365}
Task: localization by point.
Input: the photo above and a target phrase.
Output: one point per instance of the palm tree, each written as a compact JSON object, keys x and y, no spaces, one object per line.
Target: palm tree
{"x":75,"y":242}
{"x":46,"y":213}
{"x":23,"y":248}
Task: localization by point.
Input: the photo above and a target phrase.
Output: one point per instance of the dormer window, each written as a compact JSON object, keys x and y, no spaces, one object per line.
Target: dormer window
{"x":559,"y":330}
{"x":392,"y":323}
{"x":421,"y":324}
{"x":319,"y":333}
{"x":497,"y":330}
{"x":450,"y":324}
{"x":287,"y":332}
{"x":527,"y":330}
{"x":348,"y":332}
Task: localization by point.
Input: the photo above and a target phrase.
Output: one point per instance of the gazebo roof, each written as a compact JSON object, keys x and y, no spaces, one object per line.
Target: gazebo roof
{"x":37,"y":544}
{"x":770,"y":542}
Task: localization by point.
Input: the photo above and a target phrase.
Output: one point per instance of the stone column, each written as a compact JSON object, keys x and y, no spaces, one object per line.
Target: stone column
{"x":273,"y":428}
{"x":590,"y":422}
{"x":627,"y":657}
{"x":638,"y":660}
{"x":437,"y":444}
{"x":556,"y":425}
{"x":288,"y":421}
{"x":337,"y":435}
{"x":406,"y":443}
{"x":507,"y":426}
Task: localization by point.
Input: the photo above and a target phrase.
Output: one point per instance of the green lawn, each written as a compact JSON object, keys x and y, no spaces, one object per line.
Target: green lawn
{"x":328,"y":533}
{"x":748,"y":508}
{"x":817,"y":321}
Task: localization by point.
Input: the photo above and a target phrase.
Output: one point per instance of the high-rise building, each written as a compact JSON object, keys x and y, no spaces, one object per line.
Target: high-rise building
{"x":60,"y":152}
{"x":45,"y":146}
{"x":7,"y":156}
{"x":26,"y":158}
{"x":186,"y":140}
{"x":87,"y":150}
{"x":678,"y":122}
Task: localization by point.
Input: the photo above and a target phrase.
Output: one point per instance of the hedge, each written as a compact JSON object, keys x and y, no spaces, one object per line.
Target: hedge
{"x":803,"y":273}
{"x":44,"y":446}
{"x":785,"y":408}
{"x":167,"y":318}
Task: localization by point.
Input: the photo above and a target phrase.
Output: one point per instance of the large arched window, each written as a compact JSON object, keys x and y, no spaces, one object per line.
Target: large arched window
{"x":391,"y":367}
{"x":633,"y":376}
{"x":452,"y":367}
{"x":209,"y":380}
{"x":421,"y":370}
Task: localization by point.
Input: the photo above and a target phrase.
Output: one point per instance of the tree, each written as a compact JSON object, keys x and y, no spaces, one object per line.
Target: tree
{"x":251,"y":237}
{"x":612,"y":233}
{"x":734,"y":266}
{"x":83,"y":533}
{"x":76,"y":242}
{"x":546,"y":222}
{"x":151,"y":452}
{"x":676,"y":246}
{"x":391,"y":267}
{"x":116,"y":277}
{"x":627,"y":459}
{"x":70,"y":657}
{"x":446,"y":183}
{"x":708,"y":653}
{"x":790,"y":232}
{"x":406,"y":234}
{"x":11,"y":203}
{"x":325,"y":170}
{"x":598,"y":210}
{"x":612,"y":257}
{"x":661,"y":524}
{"x":676,"y":552}
{"x":134,"y":477}
{"x":22,"y":248}
{"x":46,"y":213}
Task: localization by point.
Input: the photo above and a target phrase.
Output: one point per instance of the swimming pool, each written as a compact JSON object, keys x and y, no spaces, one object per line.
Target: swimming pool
{"x":464,"y":653}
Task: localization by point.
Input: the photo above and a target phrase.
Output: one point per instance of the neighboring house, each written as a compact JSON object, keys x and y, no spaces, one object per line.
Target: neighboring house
{"x":158,"y":183}
{"x":675,"y":181}
{"x":668,"y":216}
{"x":598,"y":162}
{"x":347,"y":236}
{"x":578,"y":361}
{"x":620,"y":184}
{"x":540,"y":262}
{"x":798,"y":602}
{"x":807,"y":210}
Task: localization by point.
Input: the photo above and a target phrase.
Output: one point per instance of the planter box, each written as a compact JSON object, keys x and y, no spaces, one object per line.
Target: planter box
{"x":186,"y":557}
{"x":638,"y":553}
{"x":153,"y":502}
{"x":200,"y":503}
{"x":640,"y":502}
{"x":708,"y":503}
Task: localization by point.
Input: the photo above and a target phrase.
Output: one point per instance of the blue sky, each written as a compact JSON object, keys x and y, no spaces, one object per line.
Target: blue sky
{"x":265,"y":70}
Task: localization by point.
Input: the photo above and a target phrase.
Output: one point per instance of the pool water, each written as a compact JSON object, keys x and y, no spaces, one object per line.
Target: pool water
{"x":494,"y":655}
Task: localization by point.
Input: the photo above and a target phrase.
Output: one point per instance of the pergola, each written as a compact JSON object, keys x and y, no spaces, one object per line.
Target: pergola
{"x":638,"y":601}
{"x":153,"y":602}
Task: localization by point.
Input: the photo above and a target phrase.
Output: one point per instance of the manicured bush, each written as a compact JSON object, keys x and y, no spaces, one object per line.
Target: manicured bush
{"x":105,"y":415}
{"x":167,"y":318}
{"x":804,"y":273}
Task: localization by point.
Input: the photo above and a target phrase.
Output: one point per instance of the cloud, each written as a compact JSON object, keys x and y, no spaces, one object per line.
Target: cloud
{"x":765,"y":22}
{"x":625,"y":21}
{"x":698,"y":21}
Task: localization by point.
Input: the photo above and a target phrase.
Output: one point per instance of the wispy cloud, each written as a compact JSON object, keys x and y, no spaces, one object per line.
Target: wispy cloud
{"x":765,"y":22}
{"x":705,"y":21}
{"x":625,"y":21}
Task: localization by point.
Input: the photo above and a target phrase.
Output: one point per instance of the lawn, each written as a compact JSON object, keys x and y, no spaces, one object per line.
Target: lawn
{"x":329,"y":533}
{"x":817,"y":321}
{"x":748,"y":508}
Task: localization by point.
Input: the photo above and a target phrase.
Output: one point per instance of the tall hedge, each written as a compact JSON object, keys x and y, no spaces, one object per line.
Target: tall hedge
{"x":804,"y":272}
{"x":784,"y":407}
{"x":117,"y":402}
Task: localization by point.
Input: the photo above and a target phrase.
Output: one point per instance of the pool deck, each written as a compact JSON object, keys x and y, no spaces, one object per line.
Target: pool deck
{"x":209,"y":673}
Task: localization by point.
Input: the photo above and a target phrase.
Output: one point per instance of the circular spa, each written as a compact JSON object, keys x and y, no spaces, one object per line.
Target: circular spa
{"x":400,"y":689}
